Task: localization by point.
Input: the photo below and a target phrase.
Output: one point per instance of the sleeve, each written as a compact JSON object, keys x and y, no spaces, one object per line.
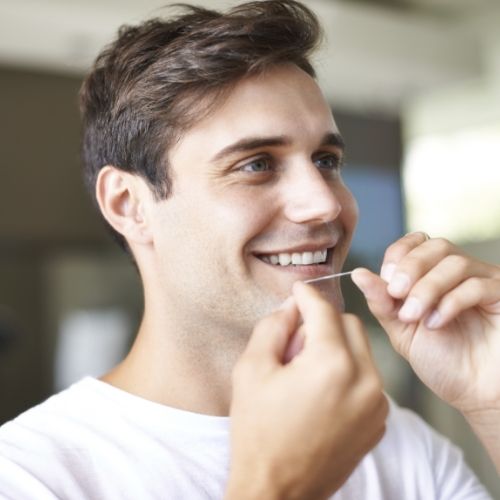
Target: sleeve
{"x":18,"y":484}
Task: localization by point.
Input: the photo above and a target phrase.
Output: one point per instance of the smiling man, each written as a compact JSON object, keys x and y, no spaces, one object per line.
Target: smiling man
{"x":216,"y":162}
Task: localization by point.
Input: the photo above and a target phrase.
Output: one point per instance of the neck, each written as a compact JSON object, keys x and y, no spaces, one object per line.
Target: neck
{"x":177,"y":366}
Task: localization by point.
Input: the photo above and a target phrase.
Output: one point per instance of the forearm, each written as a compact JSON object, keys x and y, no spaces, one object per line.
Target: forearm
{"x":486,"y":426}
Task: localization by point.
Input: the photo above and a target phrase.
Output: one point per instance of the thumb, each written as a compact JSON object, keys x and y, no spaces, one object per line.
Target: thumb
{"x":374,"y":288}
{"x":271,"y":335}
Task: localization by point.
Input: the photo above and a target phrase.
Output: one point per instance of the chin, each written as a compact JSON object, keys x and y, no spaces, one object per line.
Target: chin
{"x":332,"y":295}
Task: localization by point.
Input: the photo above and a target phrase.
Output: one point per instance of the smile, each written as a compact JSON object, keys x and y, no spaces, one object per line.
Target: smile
{"x":297,"y":258}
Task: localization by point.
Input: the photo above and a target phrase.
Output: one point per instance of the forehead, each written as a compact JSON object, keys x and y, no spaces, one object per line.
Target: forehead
{"x":282,"y":101}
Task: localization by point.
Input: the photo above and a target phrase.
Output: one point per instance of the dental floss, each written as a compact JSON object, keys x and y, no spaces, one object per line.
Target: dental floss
{"x":329,"y":276}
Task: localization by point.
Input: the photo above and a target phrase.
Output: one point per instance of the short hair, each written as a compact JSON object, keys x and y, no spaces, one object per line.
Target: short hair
{"x":155,"y":79}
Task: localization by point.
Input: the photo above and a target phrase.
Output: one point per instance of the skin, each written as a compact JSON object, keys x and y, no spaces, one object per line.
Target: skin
{"x":204,"y":287}
{"x":206,"y":290}
{"x":441,"y":311}
{"x":328,"y":398}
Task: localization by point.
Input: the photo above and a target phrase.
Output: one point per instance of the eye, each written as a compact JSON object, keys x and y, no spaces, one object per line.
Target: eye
{"x":328,"y":162}
{"x":257,"y":165}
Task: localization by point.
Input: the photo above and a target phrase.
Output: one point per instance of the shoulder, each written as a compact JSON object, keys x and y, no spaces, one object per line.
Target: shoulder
{"x":65,"y":409}
{"x":38,"y":448}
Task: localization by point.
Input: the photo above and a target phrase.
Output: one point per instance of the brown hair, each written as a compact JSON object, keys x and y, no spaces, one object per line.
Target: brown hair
{"x":146,"y":87}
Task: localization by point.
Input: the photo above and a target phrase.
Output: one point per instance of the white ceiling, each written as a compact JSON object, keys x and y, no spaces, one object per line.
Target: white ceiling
{"x":377,"y":56}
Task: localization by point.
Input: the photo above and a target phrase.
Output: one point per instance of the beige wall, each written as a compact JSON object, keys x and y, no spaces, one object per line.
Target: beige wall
{"x":44,"y":211}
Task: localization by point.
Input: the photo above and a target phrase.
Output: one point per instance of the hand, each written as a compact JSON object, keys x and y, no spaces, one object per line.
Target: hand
{"x":298,"y":429}
{"x":441,"y":310}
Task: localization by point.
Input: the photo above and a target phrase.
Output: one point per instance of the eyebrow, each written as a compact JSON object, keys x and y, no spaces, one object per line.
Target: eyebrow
{"x":252,"y":143}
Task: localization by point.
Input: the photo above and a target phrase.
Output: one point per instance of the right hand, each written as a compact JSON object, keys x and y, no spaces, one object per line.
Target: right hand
{"x":299,"y":429}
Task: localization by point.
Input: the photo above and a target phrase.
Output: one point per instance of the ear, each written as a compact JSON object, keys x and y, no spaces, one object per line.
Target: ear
{"x":122,"y":199}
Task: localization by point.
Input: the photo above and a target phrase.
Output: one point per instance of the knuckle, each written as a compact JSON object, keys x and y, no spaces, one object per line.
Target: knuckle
{"x":384,"y":407}
{"x":411,"y":265}
{"x":442,"y":244}
{"x":427,"y":290}
{"x":339,"y":369}
{"x":473,"y":288}
{"x":373,"y":389}
{"x":458,"y":262}
{"x":396,"y":251}
{"x":475,"y":284}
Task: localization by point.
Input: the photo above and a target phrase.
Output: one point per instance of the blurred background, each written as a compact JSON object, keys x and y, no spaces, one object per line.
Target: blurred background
{"x":415,"y":89}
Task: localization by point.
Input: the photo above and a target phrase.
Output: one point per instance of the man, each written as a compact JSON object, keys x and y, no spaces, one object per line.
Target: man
{"x":215,"y":161}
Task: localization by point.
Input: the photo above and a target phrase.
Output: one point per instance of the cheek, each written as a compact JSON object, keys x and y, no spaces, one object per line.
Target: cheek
{"x":350,"y":210}
{"x":244,"y":214}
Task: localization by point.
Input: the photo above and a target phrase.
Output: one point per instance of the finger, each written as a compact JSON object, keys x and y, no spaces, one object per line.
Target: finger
{"x":417,"y":263}
{"x":295,"y":345}
{"x":322,"y":323}
{"x":482,"y":292}
{"x":398,"y":250}
{"x":357,"y":338}
{"x":374,"y":288}
{"x":441,"y":279}
{"x":271,"y":334}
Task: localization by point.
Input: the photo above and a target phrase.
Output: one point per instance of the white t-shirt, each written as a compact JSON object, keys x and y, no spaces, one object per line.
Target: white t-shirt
{"x":94,"y":441}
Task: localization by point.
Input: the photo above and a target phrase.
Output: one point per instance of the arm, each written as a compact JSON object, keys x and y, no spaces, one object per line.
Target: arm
{"x":298,"y":429}
{"x":441,"y":310}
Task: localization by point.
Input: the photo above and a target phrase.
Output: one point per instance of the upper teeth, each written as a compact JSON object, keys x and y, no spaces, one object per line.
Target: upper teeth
{"x":298,"y":259}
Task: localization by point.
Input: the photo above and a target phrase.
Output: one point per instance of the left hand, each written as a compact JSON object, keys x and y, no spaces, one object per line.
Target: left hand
{"x":441,"y":310}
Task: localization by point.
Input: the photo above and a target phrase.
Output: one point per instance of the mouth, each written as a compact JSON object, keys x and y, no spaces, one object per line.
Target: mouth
{"x":308,"y":262}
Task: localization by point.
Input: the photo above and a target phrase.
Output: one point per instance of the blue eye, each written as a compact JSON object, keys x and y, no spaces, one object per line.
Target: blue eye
{"x":257,"y":165}
{"x":328,"y":162}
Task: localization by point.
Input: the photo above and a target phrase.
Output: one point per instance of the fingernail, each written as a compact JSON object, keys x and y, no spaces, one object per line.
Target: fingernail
{"x":387,"y":271}
{"x":411,"y":310}
{"x":434,"y":319}
{"x":399,"y":284}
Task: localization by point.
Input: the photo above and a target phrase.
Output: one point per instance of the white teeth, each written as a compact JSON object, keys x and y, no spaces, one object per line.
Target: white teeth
{"x":318,"y":256}
{"x":285,"y":259}
{"x":296,"y":258}
{"x":307,"y":258}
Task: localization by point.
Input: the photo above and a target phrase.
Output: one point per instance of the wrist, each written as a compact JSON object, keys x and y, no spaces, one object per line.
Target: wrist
{"x":251,"y":481}
{"x":486,"y":417}
{"x":486,"y":426}
{"x":250,"y":488}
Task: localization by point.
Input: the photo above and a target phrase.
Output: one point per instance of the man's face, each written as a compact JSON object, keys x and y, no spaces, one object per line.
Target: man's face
{"x":257,"y":203}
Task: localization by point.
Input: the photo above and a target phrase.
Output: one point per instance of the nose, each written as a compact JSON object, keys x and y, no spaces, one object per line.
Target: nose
{"x":310,"y":197}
